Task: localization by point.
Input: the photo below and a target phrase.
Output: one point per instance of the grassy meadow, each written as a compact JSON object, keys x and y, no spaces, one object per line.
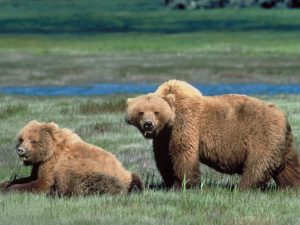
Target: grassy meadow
{"x":64,"y":43}
{"x":99,"y":120}
{"x":80,"y":42}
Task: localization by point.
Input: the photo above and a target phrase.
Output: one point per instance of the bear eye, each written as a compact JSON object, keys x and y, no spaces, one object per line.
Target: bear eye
{"x":141,"y":113}
{"x":34,"y":141}
{"x":156,"y":113}
{"x":20,"y":140}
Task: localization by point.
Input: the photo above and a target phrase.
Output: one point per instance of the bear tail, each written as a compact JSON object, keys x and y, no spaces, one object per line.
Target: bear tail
{"x":136,"y":184}
{"x":289,"y":175}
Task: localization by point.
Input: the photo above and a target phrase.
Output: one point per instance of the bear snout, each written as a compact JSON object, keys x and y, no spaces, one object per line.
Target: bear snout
{"x":22,"y":152}
{"x":148,"y":125}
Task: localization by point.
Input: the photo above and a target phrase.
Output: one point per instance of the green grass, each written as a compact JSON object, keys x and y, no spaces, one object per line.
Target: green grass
{"x":192,"y":207}
{"x":207,"y":42}
{"x":75,"y":42}
{"x":139,"y":57}
{"x":99,"y":120}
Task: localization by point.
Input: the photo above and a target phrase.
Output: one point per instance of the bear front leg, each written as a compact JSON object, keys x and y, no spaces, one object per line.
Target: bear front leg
{"x":162,"y":157}
{"x":6,"y":184}
{"x":13,"y":181}
{"x":165,"y":167}
{"x":34,"y":187}
{"x":185,"y":162}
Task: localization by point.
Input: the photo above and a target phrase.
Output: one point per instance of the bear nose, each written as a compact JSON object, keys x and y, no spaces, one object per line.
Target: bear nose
{"x":21,"y":151}
{"x":148,"y":125}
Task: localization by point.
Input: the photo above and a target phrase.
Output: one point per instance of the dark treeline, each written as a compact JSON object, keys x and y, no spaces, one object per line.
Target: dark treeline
{"x":145,"y":16}
{"x":212,"y":4}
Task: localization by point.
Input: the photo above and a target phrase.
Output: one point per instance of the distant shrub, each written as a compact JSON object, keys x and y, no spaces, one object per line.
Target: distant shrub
{"x":242,"y":4}
{"x":211,"y":4}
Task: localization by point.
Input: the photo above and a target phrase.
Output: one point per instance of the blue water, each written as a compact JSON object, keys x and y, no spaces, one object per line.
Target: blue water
{"x":104,"y":89}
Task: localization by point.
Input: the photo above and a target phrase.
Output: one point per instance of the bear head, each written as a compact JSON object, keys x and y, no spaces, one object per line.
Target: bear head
{"x":150,"y":113}
{"x":36,"y":142}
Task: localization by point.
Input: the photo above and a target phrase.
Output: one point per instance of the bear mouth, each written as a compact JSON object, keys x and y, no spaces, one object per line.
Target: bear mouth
{"x":24,"y":157}
{"x":149,"y":134}
{"x":25,"y":160}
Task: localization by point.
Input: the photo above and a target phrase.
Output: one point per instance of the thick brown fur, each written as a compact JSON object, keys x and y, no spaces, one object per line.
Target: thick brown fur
{"x":230,"y":133}
{"x":63,"y":162}
{"x":75,"y":184}
{"x":289,"y":175}
{"x":178,"y":88}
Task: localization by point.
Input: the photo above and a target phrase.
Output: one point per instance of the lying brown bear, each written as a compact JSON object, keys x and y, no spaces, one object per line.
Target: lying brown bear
{"x":64,"y":164}
{"x":230,"y":133}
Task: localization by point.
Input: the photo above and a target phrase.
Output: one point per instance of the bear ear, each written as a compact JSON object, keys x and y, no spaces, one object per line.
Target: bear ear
{"x":53,"y":125}
{"x":33,"y":122}
{"x":129,"y":100}
{"x":50,"y":127}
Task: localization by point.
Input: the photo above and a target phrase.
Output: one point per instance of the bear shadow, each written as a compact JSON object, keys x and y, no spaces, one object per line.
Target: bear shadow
{"x":152,"y":182}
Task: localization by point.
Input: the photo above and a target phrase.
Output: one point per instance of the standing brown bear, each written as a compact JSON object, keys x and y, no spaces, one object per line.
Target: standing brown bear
{"x":230,"y":133}
{"x":62,"y":163}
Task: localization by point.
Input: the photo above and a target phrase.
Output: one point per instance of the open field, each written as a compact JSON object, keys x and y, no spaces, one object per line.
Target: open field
{"x":211,"y":57}
{"x":217,"y":206}
{"x":99,"y":120}
{"x":138,"y":41}
{"x":64,"y":43}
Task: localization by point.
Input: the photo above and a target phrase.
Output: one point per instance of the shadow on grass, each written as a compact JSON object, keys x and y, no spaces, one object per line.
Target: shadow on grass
{"x":153,"y":183}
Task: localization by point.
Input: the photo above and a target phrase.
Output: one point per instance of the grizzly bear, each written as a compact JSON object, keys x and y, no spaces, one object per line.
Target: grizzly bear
{"x":233,"y":134}
{"x":66,"y":165}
